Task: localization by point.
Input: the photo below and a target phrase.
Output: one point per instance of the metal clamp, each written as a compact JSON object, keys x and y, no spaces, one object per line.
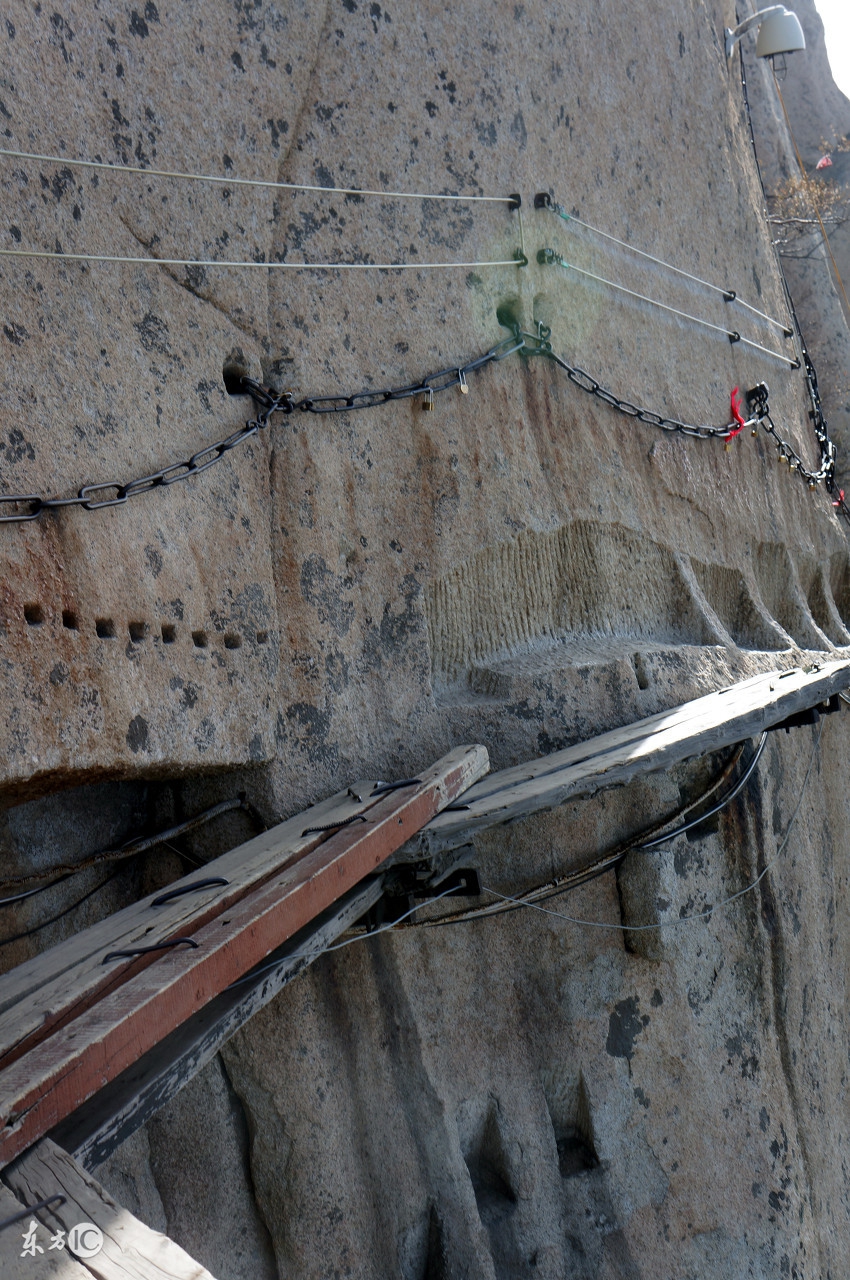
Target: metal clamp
{"x":333,"y":826}
{"x":188,"y":888}
{"x":143,"y":951}
{"x":381,"y":788}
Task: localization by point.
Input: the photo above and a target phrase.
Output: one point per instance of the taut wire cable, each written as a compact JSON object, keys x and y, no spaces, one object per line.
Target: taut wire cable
{"x":729,"y":294}
{"x":679,"y":920}
{"x":642,"y":842}
{"x":646,"y":845}
{"x":337,"y":946}
{"x":549,"y":255}
{"x":268,"y":266}
{"x":247,"y":182}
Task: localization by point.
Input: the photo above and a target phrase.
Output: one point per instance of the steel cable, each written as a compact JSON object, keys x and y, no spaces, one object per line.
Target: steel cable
{"x":544,"y":201}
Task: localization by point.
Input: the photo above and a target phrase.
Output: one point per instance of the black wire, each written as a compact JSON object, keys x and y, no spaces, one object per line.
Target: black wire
{"x":31,"y":1209}
{"x":703,"y":817}
{"x":134,"y":846}
{"x":598,"y":868}
{"x":28,"y":893}
{"x":27,"y":933}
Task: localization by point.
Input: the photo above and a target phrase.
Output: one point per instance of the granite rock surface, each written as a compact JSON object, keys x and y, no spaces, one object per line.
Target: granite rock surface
{"x":353,"y":594}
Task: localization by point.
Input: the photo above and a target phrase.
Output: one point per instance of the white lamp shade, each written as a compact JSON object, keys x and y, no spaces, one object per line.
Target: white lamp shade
{"x":780,"y":33}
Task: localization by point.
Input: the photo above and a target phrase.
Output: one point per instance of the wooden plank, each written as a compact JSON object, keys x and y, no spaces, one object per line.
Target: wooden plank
{"x":131,"y":1250}
{"x":53,"y":1078}
{"x":96,"y":1129}
{"x":706,"y":724}
{"x":44,"y":993}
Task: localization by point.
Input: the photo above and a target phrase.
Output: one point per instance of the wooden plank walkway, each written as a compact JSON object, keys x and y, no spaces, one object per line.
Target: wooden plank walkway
{"x":130,"y":1250}
{"x":99,"y":1126}
{"x":37,"y":996}
{"x":98,"y":1031}
{"x":66,"y":1011}
{"x":706,"y":724}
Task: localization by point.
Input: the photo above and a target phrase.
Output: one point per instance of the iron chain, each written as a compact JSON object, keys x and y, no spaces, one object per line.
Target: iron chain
{"x":757,"y":402}
{"x":114,"y":493}
{"x":94,"y":497}
{"x":539,"y":345}
{"x":443,"y":380}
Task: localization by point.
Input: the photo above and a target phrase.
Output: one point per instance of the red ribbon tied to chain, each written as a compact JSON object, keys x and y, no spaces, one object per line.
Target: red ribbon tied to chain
{"x":735,"y":404}
{"x":840,"y":498}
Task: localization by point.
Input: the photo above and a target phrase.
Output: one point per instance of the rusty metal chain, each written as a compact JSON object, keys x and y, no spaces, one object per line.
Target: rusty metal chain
{"x":757,"y":404}
{"x":270,"y":402}
{"x":428,"y":387}
{"x":527,"y":344}
{"x":173,"y":474}
{"x":539,"y":345}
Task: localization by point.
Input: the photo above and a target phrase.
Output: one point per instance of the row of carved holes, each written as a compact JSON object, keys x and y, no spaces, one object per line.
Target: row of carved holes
{"x":105,"y":629}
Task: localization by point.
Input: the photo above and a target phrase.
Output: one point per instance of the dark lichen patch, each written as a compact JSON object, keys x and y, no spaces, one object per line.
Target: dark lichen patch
{"x":323,"y":589}
{"x":311,"y":728}
{"x":153,"y":334}
{"x":138,"y":734}
{"x":624,"y":1027}
{"x":205,"y":735}
{"x":17,"y":448}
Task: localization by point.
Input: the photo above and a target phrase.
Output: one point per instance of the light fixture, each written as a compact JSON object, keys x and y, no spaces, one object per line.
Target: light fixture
{"x":779,"y":32}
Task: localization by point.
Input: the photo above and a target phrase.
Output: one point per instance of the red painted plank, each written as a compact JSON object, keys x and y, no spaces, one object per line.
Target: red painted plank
{"x":52,"y":988}
{"x":57,"y":1075}
{"x":98,"y":986}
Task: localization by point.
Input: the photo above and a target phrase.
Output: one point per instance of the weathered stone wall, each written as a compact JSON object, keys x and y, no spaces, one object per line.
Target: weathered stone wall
{"x":351,"y":595}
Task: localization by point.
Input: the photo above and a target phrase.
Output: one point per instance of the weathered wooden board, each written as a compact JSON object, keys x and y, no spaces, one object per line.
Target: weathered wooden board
{"x":131,"y":1250}
{"x":706,"y":724}
{"x":97,"y":1128}
{"x":41,"y":994}
{"x":55,"y":1076}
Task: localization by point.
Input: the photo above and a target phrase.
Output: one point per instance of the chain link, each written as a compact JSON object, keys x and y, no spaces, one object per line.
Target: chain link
{"x":539,"y":345}
{"x":757,"y":403}
{"x":114,"y":493}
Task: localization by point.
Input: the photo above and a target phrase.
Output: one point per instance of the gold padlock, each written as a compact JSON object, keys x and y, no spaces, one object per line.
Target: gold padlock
{"x":462,"y":383}
{"x":428,"y":403}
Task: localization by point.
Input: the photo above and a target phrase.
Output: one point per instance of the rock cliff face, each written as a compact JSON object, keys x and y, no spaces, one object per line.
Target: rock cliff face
{"x":351,"y":595}
{"x":819,"y":115}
